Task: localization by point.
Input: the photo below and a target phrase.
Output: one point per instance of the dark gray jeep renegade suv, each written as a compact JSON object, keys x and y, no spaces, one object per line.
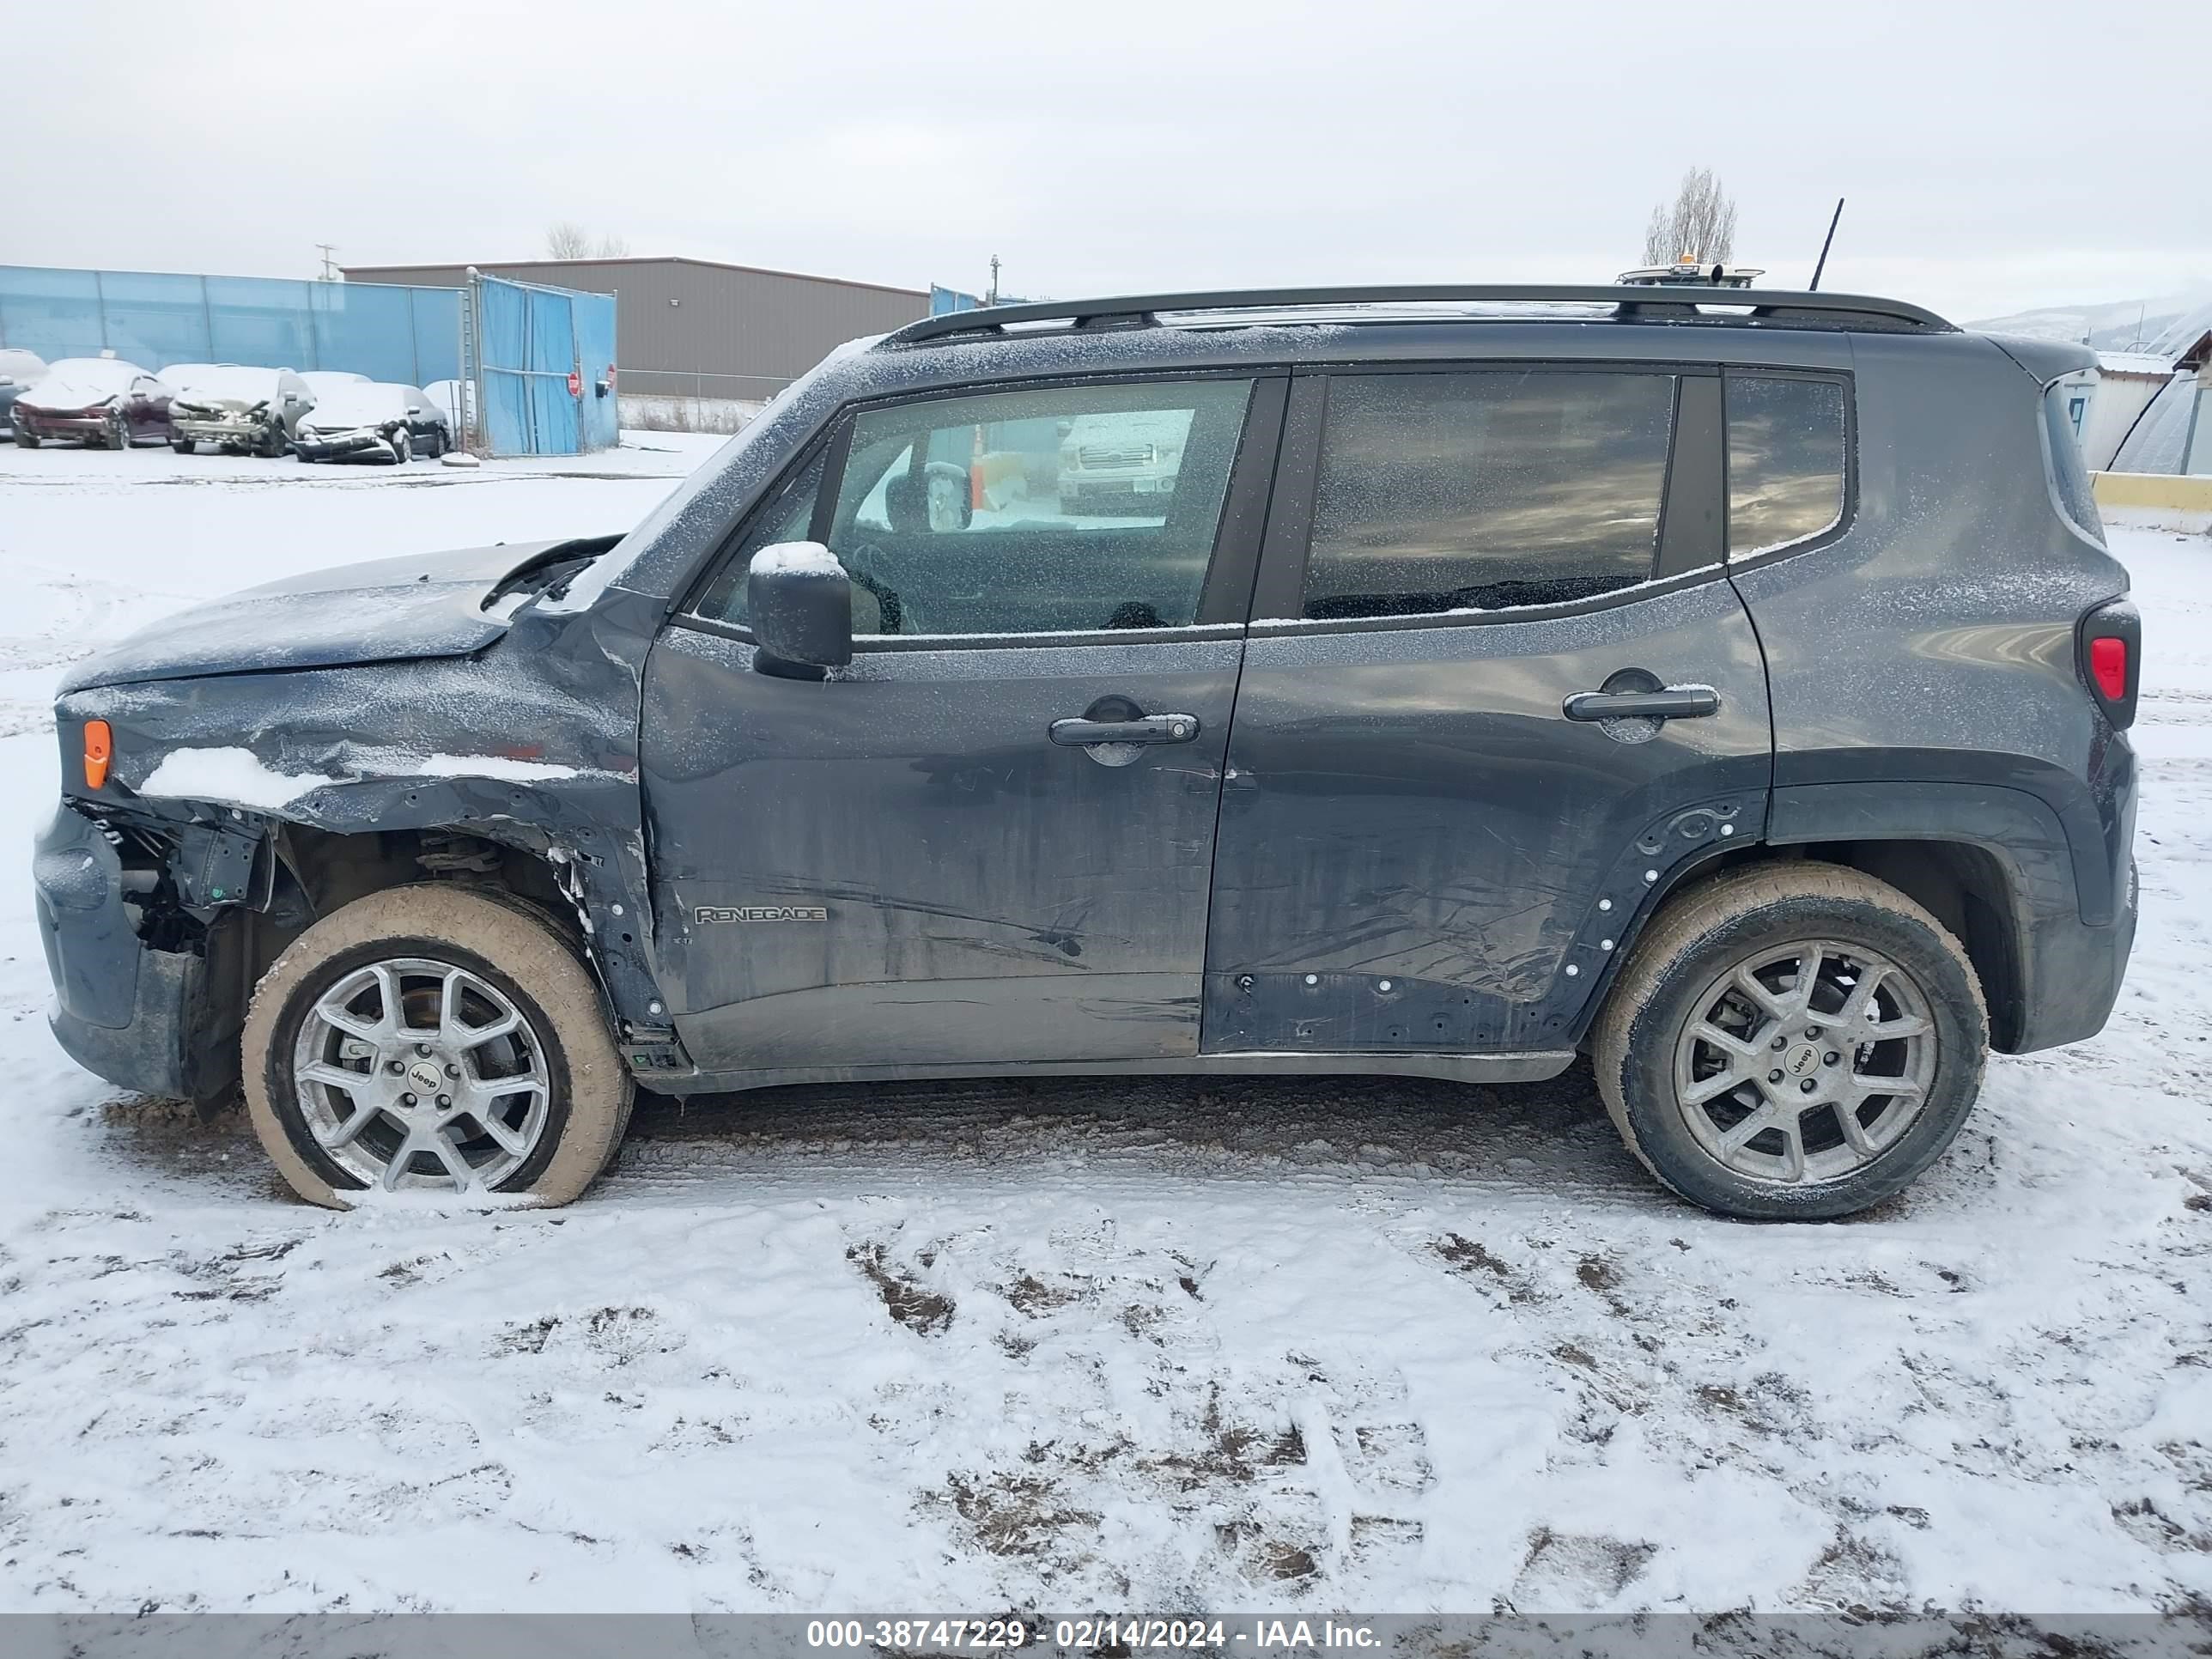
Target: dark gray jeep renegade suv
{"x":1729,"y":684}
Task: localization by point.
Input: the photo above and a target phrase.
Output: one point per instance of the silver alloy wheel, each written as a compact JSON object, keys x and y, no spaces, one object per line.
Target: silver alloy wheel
{"x":1805,"y":1062}
{"x":415,"y":1074}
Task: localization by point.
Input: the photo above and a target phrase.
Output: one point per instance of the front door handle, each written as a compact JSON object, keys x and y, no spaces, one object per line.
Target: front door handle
{"x":1674,"y":702}
{"x":1144,"y":729}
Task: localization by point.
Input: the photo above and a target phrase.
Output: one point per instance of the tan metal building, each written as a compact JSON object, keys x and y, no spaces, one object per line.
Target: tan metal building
{"x":697,"y":328}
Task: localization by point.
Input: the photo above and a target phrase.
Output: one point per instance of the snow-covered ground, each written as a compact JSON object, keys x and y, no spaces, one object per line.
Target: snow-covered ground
{"x":1149,"y":1346}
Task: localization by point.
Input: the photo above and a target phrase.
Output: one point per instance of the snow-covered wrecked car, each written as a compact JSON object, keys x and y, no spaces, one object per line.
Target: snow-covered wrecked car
{"x":372,"y":420}
{"x":19,"y":371}
{"x":241,"y":410}
{"x":101,"y":402}
{"x":1601,"y":679}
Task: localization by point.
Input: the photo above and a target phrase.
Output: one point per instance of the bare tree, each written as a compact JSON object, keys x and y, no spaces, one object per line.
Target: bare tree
{"x":567,"y":239}
{"x":1698,"y":225}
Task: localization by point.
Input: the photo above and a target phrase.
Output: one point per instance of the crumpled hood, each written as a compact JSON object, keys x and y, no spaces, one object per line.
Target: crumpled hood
{"x":425,"y":606}
{"x":221,"y":405}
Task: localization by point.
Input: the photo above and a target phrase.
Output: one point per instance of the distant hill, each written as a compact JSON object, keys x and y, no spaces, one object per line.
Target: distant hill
{"x":2162,"y":326}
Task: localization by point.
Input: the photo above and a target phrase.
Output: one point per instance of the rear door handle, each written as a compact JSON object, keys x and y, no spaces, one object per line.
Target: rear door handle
{"x":1676,"y":702}
{"x":1146,"y":728}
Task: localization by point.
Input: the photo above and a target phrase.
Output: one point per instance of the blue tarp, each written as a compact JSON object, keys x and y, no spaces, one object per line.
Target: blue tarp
{"x":536,"y":345}
{"x":153,"y":318}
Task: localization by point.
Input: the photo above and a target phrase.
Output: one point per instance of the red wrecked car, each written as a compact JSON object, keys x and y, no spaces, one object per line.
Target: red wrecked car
{"x":101,"y":401}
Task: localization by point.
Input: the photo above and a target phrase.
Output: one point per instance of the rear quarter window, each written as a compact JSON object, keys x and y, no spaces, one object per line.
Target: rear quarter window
{"x":1788,"y":465}
{"x":2062,"y":459}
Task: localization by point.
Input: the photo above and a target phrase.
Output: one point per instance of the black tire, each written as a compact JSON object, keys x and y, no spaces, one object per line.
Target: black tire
{"x":434,"y":446}
{"x":501,"y":945}
{"x":1645,"y":1043}
{"x":182,"y":446}
{"x":403,"y":447}
{"x":119,"y":435}
{"x":274,"y":442}
{"x":25,"y":439}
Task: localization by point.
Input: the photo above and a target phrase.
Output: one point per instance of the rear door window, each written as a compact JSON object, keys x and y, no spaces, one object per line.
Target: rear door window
{"x":1787,"y":466}
{"x":1486,"y":490}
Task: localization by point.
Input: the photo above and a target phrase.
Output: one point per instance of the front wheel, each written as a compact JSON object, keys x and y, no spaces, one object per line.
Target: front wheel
{"x":431,"y":1037}
{"x":25,"y":439}
{"x":274,"y":441}
{"x":182,"y":446}
{"x":403,"y":450}
{"x":1792,"y":1042}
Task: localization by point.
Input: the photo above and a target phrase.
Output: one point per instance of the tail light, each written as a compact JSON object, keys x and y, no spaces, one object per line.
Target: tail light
{"x":2110,"y":652}
{"x":99,"y":750}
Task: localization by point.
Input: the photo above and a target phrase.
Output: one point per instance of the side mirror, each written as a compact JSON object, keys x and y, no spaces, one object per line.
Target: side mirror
{"x":414,"y":410}
{"x":937,"y":498}
{"x":799,"y":601}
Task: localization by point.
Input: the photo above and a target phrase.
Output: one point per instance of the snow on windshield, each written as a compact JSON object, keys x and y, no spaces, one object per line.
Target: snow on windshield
{"x":229,"y":380}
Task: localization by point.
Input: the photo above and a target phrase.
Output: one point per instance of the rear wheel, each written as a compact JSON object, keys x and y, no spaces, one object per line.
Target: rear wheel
{"x":1793,"y":1041}
{"x":432,"y":1038}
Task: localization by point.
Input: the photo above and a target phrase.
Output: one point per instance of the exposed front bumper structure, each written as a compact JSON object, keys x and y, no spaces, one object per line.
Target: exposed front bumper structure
{"x":347,"y":446}
{"x":220,"y":428}
{"x":143,"y":1018}
{"x":39,"y":423}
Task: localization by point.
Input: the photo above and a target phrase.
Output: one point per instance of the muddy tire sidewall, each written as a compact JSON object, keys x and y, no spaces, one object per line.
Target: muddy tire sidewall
{"x":591,"y":1090}
{"x":1751,"y":911}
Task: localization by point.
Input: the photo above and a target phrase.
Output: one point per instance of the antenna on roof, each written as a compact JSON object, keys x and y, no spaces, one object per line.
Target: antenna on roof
{"x":1813,"y":286}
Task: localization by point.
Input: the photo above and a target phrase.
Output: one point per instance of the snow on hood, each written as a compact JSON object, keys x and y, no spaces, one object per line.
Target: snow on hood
{"x":79,"y":383}
{"x":426,"y":605}
{"x":343,"y":408}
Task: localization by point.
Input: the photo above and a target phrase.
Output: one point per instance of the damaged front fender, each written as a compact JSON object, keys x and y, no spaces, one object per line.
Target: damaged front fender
{"x":530,"y":746}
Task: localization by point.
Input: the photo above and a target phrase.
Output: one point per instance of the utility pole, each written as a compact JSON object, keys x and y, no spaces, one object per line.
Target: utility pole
{"x":993,"y":298}
{"x":330,"y":270}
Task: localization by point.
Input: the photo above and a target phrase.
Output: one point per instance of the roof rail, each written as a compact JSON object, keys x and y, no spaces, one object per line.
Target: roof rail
{"x":1771,"y":307}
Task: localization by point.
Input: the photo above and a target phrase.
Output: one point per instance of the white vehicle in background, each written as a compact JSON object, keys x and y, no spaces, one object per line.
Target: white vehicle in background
{"x":324,"y":381}
{"x":241,"y":410}
{"x":373,"y":420}
{"x":1112,"y":462}
{"x":456,"y":400}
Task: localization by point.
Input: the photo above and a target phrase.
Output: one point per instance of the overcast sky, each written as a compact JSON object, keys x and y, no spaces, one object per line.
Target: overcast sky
{"x":1996,"y":156}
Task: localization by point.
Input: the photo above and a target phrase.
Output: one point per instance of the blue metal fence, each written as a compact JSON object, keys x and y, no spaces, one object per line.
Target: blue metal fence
{"x":545,"y":366}
{"x":153,"y":318}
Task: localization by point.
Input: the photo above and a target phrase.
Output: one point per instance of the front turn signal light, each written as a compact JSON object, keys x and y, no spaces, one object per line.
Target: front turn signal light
{"x":99,"y":750}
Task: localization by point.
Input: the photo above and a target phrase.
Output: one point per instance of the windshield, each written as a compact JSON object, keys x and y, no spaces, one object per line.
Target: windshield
{"x":360,"y":406}
{"x":228,"y":380}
